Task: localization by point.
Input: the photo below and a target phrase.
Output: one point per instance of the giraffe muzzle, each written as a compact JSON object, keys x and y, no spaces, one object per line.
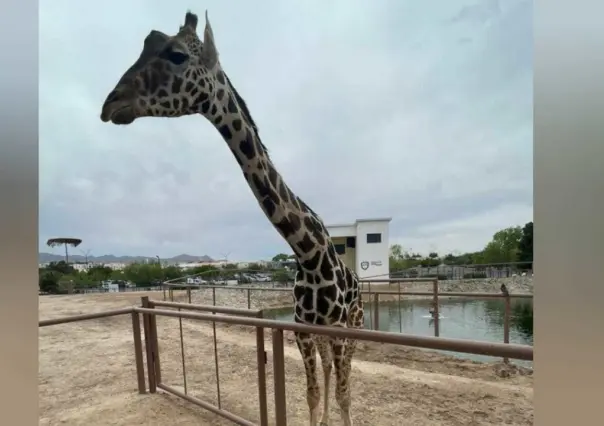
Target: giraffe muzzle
{"x":117,"y":109}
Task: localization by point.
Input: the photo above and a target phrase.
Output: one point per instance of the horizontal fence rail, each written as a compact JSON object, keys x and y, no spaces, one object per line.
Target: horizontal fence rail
{"x":523,"y":352}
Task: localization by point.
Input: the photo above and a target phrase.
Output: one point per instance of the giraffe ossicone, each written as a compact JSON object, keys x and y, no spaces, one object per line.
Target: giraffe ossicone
{"x":181,"y":75}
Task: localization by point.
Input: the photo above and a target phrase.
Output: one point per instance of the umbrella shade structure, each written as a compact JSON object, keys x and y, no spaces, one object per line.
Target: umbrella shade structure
{"x":74,"y":242}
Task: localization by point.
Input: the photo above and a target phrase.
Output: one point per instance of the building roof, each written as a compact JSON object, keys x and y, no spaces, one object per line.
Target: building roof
{"x":376,"y":219}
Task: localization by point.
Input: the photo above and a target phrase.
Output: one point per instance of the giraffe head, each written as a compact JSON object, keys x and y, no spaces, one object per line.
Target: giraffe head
{"x":173,"y":76}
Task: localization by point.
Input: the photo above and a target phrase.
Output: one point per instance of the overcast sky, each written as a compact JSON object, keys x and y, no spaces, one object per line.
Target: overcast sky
{"x":419,"y":111}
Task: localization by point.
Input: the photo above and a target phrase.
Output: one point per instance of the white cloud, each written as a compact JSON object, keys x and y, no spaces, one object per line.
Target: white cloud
{"x":404,"y":110}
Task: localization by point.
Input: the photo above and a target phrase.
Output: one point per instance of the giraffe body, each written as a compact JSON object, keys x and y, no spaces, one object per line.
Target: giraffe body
{"x":181,"y":75}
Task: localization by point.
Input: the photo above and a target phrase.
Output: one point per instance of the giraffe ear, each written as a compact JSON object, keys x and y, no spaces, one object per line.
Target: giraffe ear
{"x":209,"y":53}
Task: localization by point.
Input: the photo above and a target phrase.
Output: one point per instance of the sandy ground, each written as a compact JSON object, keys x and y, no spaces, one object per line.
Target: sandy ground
{"x":87,"y":374}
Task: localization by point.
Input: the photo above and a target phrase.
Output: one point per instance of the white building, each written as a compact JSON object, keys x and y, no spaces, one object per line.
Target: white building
{"x":363,"y":246}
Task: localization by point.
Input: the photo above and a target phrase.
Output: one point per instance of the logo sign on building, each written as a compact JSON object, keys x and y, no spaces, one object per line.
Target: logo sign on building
{"x":376,"y":263}
{"x":364,"y":265}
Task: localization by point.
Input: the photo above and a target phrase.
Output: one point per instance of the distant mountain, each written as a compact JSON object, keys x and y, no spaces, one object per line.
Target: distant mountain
{"x":109,"y":258}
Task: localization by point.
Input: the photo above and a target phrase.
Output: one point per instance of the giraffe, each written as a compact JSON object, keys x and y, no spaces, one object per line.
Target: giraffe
{"x":182,"y":75}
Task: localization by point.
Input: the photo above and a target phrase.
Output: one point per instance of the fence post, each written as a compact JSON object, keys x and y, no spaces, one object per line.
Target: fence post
{"x":436,"y":313}
{"x":279,"y":378}
{"x":261,"y":358}
{"x":376,"y":311}
{"x":249,"y":301}
{"x":154,"y":341}
{"x":148,"y":347}
{"x":189,"y":294}
{"x":506,"y":319}
{"x":138,"y":353}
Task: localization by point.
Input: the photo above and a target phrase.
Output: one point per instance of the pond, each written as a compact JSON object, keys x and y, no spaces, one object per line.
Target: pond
{"x":474,"y":319}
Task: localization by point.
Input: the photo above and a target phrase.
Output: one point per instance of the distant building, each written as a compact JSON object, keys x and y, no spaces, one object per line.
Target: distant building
{"x":363,"y":246}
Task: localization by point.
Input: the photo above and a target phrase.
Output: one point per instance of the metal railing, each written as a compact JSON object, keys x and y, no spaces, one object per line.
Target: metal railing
{"x":373,"y":295}
{"x":254,"y":318}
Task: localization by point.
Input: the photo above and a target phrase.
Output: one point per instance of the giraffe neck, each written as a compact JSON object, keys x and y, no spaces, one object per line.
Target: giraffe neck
{"x":302,"y":228}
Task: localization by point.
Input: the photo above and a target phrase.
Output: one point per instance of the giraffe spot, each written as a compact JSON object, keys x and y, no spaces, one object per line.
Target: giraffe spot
{"x":189,"y":86}
{"x":225,"y":132}
{"x":165,"y":104}
{"x":340,"y":280}
{"x":220,"y":77}
{"x":219,"y":94}
{"x":203,"y":96}
{"x":348,"y":275}
{"x":299,"y":292}
{"x":310,"y":317}
{"x":218,"y":120}
{"x":312,"y":263}
{"x":272,"y":174}
{"x":232,"y":107}
{"x":305,"y":244}
{"x":327,"y":293}
{"x":237,"y":124}
{"x":283,"y":192}
{"x":317,"y":279}
{"x":340,"y":300}
{"x":295,"y":221}
{"x":247,"y":145}
{"x":284,"y":227}
{"x":269,"y":207}
{"x":214,"y":110}
{"x":162,"y":93}
{"x":336,"y":312}
{"x":349,"y":297}
{"x":176,"y":84}
{"x":205,"y":106}
{"x":194,"y":92}
{"x":176,"y":103}
{"x":333,"y":256}
{"x":307,"y":300}
{"x":185,"y":104}
{"x":262,"y":189}
{"x":327,"y":268}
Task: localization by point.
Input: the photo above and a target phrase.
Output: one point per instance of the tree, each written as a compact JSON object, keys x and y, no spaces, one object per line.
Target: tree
{"x":99,"y":273}
{"x":255,"y":267}
{"x":48,"y":281}
{"x":504,"y":246}
{"x":281,"y":257}
{"x":74,"y":242}
{"x":525,"y":246}
{"x":61,"y":267}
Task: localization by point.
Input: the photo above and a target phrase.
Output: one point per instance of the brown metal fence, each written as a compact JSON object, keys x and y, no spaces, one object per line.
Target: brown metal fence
{"x":373,"y":295}
{"x":150,"y":309}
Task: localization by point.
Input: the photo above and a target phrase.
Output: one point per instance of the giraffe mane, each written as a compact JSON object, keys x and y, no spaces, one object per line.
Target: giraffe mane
{"x":246,"y":112}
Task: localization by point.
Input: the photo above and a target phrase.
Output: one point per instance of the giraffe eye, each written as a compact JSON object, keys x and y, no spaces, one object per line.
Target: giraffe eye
{"x":177,"y":58}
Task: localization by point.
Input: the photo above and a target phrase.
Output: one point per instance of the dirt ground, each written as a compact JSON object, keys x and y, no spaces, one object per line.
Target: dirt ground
{"x":87,"y":374}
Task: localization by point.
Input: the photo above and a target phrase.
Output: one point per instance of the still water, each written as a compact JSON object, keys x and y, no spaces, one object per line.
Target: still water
{"x":475,"y":319}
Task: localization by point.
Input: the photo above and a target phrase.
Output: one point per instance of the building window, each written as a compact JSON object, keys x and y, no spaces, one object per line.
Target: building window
{"x":340,"y":248}
{"x":374,"y":238}
{"x":351,"y":242}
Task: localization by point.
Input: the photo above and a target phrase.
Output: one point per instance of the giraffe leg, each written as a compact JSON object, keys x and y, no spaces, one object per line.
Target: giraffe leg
{"x":308,"y":350}
{"x":343,"y":351}
{"x":342,"y":367}
{"x":326,"y":361}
